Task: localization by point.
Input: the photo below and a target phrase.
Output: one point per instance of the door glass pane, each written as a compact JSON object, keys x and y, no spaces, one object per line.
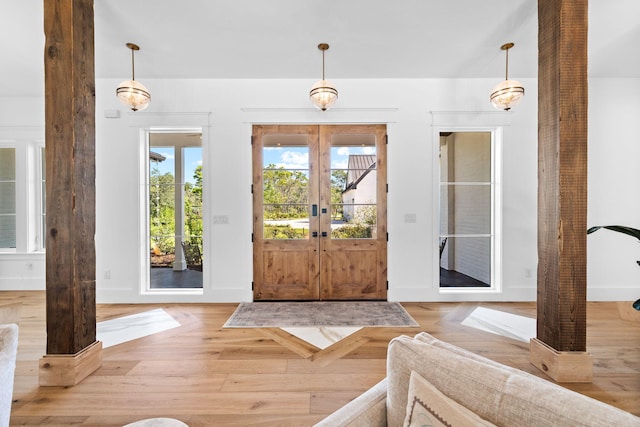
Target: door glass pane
{"x":354,"y":186}
{"x":7,"y":197}
{"x":465,"y":157}
{"x":465,"y":209}
{"x":162,"y":205}
{"x":175,"y":210}
{"x":285,"y":186}
{"x":7,"y":164}
{"x":43,"y":197}
{"x":193,"y":225}
{"x":465,"y":262}
{"x":466,"y":194}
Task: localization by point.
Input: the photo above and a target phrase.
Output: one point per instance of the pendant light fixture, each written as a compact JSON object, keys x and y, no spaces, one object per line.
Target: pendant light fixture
{"x":508,"y":93}
{"x":323,"y":94}
{"x":131,"y":92}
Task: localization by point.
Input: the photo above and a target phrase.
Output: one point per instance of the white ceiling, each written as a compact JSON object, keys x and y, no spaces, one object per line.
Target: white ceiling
{"x":279,"y":38}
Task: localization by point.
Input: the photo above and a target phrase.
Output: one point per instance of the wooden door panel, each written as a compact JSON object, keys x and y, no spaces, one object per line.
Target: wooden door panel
{"x":287,"y":274}
{"x":354,"y":268}
{"x":283,"y":268}
{"x":323,"y":263}
{"x":351,"y":274}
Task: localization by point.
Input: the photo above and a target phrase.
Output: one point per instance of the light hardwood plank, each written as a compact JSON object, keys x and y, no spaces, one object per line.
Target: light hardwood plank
{"x":205,"y":375}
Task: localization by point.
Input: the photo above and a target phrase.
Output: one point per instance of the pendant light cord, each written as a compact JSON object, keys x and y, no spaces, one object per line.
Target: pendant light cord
{"x":506,"y":71}
{"x":133,"y":66}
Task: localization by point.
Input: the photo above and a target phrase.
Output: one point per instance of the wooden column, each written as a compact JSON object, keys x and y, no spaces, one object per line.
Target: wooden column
{"x":72,"y":350}
{"x":560,"y":346}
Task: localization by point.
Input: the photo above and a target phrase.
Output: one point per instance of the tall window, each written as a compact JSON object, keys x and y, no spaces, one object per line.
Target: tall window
{"x":175,"y":210}
{"x":43,"y":200}
{"x":7,"y":198}
{"x":467,"y":210}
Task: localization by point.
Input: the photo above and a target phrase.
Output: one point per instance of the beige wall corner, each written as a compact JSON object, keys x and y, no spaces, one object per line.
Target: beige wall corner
{"x":561,"y":366}
{"x":71,"y":369}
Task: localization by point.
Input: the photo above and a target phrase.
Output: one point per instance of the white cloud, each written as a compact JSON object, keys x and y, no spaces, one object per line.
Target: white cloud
{"x":343,"y":151}
{"x":294,"y":160}
{"x":339,"y":164}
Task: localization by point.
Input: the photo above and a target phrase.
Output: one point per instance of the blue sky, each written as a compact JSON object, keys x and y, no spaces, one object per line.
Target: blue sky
{"x":287,"y":157}
{"x":192,"y":158}
{"x":298,"y":157}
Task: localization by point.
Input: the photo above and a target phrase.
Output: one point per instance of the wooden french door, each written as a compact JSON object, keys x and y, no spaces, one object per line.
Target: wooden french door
{"x":320,"y":212}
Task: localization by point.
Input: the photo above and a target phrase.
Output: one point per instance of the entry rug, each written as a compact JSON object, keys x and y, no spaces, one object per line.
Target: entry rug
{"x":320,"y":313}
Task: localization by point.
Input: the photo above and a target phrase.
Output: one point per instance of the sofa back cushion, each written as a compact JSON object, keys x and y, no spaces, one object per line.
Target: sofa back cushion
{"x":428,"y":406}
{"x":497,"y":393}
{"x":8,"y":351}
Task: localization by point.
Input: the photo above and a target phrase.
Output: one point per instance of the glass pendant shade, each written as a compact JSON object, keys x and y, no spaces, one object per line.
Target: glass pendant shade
{"x":133,"y":94}
{"x":130,"y":92}
{"x":323,"y":95}
{"x":507,"y":94}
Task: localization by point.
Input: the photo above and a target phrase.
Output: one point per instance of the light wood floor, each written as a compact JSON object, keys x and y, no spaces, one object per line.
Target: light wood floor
{"x":205,"y":376}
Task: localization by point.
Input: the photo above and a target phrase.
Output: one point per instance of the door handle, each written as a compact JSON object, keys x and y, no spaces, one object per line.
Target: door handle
{"x":324,"y":234}
{"x":314,"y":210}
{"x":314,"y":234}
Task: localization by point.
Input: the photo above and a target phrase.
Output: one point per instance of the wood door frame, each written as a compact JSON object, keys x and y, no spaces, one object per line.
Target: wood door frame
{"x":317,"y":251}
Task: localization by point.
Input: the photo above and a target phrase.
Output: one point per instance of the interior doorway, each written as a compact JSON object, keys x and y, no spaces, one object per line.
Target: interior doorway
{"x":175,"y":222}
{"x":320,"y":212}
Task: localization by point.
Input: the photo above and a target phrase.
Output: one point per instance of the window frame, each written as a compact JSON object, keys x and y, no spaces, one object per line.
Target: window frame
{"x":29,"y":205}
{"x":496,"y":209}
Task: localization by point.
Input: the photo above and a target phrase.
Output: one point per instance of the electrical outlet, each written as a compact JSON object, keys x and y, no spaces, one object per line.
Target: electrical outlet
{"x":107,"y":274}
{"x":220,"y":219}
{"x":410,"y":218}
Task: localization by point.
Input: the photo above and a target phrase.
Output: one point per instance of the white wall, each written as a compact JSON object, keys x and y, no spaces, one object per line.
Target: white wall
{"x":614,"y":188}
{"x":405,"y":105}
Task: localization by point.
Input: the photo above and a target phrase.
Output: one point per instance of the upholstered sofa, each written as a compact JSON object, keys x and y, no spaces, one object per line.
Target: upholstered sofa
{"x":8,"y":349}
{"x":430,"y":382}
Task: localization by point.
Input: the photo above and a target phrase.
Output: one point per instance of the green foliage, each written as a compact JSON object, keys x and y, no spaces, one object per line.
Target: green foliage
{"x":353,"y":231}
{"x":634,"y":232}
{"x":284,"y":232}
{"x":285,"y":192}
{"x":365,"y":214}
{"x":338,"y":184}
{"x":193,"y":223}
{"x":162,"y":211}
{"x":197,"y":176}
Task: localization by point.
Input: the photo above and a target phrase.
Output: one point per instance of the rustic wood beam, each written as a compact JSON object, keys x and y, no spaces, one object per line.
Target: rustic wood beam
{"x":562,"y":183}
{"x":70,"y":182}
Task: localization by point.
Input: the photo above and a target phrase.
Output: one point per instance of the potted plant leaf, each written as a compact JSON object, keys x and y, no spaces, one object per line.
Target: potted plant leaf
{"x":634,"y":232}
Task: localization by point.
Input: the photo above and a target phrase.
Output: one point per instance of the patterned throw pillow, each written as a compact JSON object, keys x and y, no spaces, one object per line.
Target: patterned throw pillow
{"x":429,"y":407}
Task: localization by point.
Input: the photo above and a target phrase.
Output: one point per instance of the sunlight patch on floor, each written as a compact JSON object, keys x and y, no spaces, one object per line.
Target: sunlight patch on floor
{"x":127,"y":328}
{"x":324,"y":336}
{"x":521,"y":328}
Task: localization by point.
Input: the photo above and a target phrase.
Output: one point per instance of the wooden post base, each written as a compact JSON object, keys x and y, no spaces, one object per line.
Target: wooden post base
{"x":561,"y":366}
{"x":70,"y":369}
